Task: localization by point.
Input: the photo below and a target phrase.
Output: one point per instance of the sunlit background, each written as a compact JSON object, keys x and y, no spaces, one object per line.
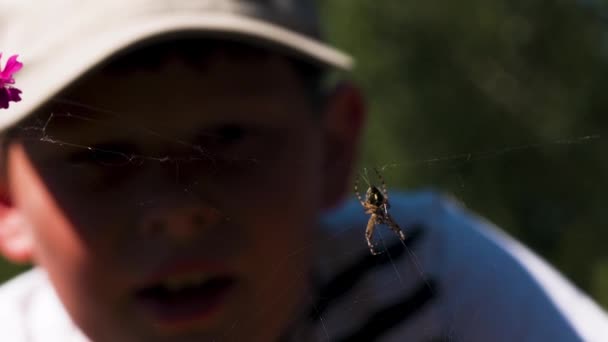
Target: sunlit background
{"x":501,"y":103}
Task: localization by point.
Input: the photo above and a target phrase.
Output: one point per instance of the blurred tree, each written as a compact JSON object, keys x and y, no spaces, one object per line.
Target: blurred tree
{"x":499,"y":102}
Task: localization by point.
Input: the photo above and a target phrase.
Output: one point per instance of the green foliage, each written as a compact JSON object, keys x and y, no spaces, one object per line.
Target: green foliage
{"x":499,"y":102}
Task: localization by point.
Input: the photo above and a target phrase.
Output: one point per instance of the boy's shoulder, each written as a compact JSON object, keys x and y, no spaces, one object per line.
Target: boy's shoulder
{"x":456,"y":275}
{"x":30,"y":311}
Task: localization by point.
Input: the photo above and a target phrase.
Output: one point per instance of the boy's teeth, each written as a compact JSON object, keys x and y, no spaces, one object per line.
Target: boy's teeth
{"x":177,"y":283}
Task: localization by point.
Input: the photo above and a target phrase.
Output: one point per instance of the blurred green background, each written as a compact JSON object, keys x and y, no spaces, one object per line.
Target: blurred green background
{"x":501,"y":103}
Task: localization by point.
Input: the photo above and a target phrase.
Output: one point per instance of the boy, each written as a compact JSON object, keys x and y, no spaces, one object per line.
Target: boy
{"x":167,"y":172}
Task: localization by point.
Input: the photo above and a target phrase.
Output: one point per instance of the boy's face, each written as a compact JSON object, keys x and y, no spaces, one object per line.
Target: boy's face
{"x":178,"y":203}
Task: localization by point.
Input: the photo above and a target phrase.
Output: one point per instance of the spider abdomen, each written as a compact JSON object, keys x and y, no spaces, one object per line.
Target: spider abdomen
{"x":375,"y":197}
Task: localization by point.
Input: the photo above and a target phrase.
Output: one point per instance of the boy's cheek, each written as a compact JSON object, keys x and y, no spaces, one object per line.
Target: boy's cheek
{"x":75,"y":234}
{"x":57,"y":244}
{"x":78,"y":275}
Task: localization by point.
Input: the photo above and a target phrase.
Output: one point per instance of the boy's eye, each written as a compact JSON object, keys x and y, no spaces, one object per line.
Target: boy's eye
{"x":229,"y":134}
{"x":227,"y":138}
{"x":103,"y":166}
{"x":103,"y":155}
{"x":236,"y":141}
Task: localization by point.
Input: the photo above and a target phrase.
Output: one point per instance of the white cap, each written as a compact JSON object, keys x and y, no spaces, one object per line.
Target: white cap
{"x":59,"y":40}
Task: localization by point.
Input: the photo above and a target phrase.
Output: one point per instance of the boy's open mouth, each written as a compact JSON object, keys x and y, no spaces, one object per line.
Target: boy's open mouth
{"x":190,"y":297}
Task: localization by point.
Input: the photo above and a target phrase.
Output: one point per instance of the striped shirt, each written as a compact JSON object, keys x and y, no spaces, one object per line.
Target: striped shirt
{"x":456,"y":278}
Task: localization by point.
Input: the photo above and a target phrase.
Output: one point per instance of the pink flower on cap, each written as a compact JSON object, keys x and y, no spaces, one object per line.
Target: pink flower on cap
{"x":7,"y":91}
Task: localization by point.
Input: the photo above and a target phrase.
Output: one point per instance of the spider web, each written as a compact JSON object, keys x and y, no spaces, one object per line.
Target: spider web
{"x":454,"y":162}
{"x":404,"y":271}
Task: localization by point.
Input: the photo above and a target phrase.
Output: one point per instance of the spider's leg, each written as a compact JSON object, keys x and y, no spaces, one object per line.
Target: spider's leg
{"x":357,"y":191}
{"x":369,"y":233}
{"x":394,"y":227}
{"x":384,"y":190}
{"x":385,"y":207}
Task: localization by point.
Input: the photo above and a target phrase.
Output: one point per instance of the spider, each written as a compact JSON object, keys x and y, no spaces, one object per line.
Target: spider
{"x":376,"y":205}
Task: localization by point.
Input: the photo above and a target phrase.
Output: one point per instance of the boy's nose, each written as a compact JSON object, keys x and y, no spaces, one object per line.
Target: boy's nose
{"x":180,"y":223}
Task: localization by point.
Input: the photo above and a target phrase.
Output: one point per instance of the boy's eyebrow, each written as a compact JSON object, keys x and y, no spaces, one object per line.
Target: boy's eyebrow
{"x":70,"y":114}
{"x":123,"y":148}
{"x":59,"y":123}
{"x":66,"y":104}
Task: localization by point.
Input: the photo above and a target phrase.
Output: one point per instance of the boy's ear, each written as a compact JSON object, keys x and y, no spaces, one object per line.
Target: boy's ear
{"x":16,"y":243}
{"x":344,"y":118}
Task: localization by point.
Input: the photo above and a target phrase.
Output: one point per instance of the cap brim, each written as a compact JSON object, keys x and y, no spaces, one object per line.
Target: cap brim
{"x":45,"y":75}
